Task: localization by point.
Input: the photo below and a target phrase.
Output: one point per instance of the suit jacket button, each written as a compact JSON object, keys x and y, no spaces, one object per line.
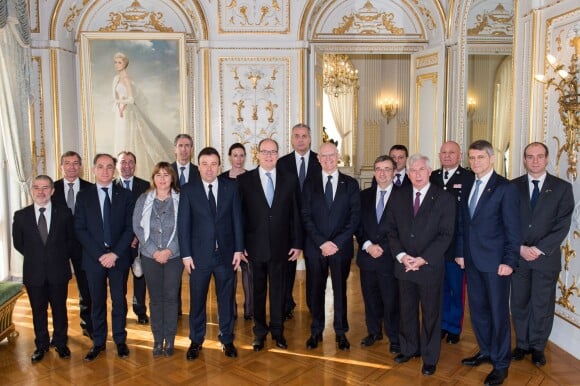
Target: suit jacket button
{"x":412,"y":235}
{"x":529,"y":226}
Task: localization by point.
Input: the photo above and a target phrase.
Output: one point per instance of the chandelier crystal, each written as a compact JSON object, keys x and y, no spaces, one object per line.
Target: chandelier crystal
{"x":339,"y":75}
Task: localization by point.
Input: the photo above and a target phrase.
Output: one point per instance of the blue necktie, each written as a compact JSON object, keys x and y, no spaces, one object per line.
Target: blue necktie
{"x":535,"y":194}
{"x":181,"y":176}
{"x":328,"y":191}
{"x":107,"y":218}
{"x":381,"y":205}
{"x":473,"y":201}
{"x":270,"y":189}
{"x":127,"y":184}
{"x":398,"y":179}
{"x":416,"y":203}
{"x":212,"y":202}
{"x":302,"y":172}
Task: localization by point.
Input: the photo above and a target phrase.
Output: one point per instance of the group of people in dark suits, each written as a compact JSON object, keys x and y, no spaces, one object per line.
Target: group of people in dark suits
{"x":418,"y":231}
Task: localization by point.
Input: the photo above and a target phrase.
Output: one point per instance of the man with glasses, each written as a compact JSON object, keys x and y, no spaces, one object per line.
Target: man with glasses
{"x":377,"y":279}
{"x":273,"y":238}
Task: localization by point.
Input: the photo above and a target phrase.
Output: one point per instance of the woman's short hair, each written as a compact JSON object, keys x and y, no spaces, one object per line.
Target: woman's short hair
{"x":236,"y":145}
{"x":123,"y":57}
{"x":166,"y":166}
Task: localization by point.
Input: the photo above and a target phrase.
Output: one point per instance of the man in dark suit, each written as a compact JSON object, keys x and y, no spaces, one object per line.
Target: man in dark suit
{"x":211,"y":242}
{"x":126,"y":162}
{"x":488,"y":245}
{"x":103,"y":226}
{"x":273,"y":237}
{"x":43,"y":233}
{"x":546,"y":206}
{"x":331,"y":214}
{"x":420,"y":223}
{"x":65,"y":193}
{"x":453,"y":179}
{"x":378,"y":283}
{"x":186,"y":172}
{"x":302,"y":163}
{"x":399,"y":154}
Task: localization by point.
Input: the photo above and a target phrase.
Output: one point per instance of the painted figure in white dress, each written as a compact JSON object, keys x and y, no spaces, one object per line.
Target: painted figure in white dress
{"x":134,"y":131}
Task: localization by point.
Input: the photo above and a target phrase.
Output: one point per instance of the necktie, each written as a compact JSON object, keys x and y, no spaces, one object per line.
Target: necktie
{"x":107,"y":218}
{"x":416,"y":203}
{"x":535,"y":193}
{"x":42,"y":227}
{"x":328,"y":192}
{"x":398,"y":180}
{"x":127,"y":184}
{"x":473,"y":201}
{"x":212,"y":202}
{"x":381,"y":205}
{"x":446,"y":175}
{"x":270,"y":189}
{"x":70,"y":197}
{"x":302,"y":172}
{"x":181,"y":176}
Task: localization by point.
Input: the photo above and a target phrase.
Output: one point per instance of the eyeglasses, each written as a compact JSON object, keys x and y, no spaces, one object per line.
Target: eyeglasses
{"x":383,"y":170}
{"x":268,"y":152}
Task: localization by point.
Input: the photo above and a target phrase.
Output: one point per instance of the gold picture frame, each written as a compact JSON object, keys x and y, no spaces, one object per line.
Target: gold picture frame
{"x":136,"y":101}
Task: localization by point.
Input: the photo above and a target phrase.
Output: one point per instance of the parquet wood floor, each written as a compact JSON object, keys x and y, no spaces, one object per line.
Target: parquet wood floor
{"x":296,"y":366}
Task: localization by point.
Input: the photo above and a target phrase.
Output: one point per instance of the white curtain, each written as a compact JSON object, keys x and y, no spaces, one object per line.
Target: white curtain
{"x":342,"y":108}
{"x":15,"y":152}
{"x":502,"y":114}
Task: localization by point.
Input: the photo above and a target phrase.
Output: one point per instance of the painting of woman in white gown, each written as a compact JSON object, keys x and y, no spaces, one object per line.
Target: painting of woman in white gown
{"x":134,"y":131}
{"x":135,"y":96}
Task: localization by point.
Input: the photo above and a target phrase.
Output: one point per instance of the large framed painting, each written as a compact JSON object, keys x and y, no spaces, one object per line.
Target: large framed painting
{"x":133,"y":92}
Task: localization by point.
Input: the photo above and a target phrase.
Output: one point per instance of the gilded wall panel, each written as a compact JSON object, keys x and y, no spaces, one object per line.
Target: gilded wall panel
{"x":251,"y":16}
{"x":254,"y":101}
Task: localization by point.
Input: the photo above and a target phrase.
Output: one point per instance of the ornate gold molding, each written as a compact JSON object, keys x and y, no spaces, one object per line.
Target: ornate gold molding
{"x":498,"y":22}
{"x":254,"y":16}
{"x":135,"y":18}
{"x":73,"y":13}
{"x":431,"y":25}
{"x":368,"y":21}
{"x":38,"y":152}
{"x":427,"y":60}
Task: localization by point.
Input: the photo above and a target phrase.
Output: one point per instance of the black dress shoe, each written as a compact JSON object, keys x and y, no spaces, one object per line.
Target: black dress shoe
{"x":452,"y":338}
{"x":476,"y":360}
{"x":280,"y":342}
{"x":428,"y":369}
{"x":94,"y":352}
{"x":143,"y":319}
{"x":258,"y":344}
{"x":538,"y":358}
{"x":230,"y":350}
{"x":519,"y":353}
{"x":342,"y":342}
{"x":402,"y":358}
{"x":122,"y":350}
{"x":395,"y":348}
{"x":496,"y":377}
{"x":248,"y":317}
{"x":370,"y":339}
{"x":193,"y":351}
{"x":63,"y":352}
{"x":38,"y":354}
{"x":443,"y":334}
{"x":312,"y":342}
{"x":289,"y":315}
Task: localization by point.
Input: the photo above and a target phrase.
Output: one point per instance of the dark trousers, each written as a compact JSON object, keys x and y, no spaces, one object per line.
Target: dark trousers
{"x":220,"y":267}
{"x":162,"y":281}
{"x":273,"y":274}
{"x":533,"y":302}
{"x":488,"y":296}
{"x":117,"y":284}
{"x":289,"y":303}
{"x":453,"y":298}
{"x":380,"y":290}
{"x":84,"y":295}
{"x":339,"y":266}
{"x":247,"y":285}
{"x":40,"y":297}
{"x":421,"y":337}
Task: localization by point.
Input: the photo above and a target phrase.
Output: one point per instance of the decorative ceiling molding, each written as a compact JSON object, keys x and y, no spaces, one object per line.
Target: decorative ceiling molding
{"x":368,"y":21}
{"x":496,"y":22}
{"x":136,"y":18}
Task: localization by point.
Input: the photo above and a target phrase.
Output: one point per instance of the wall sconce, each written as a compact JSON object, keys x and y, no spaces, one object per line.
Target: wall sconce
{"x":569,"y":106}
{"x":471,"y":106}
{"x":389,"y":108}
